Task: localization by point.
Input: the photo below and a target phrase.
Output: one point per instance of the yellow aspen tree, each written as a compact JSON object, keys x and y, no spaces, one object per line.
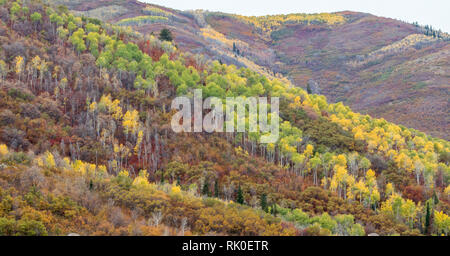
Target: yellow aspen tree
{"x":341,"y":160}
{"x":389,"y":189}
{"x":141,"y":181}
{"x":375,"y":196}
{"x":35,"y":66}
{"x":49,"y":160}
{"x":43,"y":67}
{"x":116,"y":110}
{"x":315,"y":162}
{"x":19,"y":65}
{"x":371,"y":184}
{"x":340,"y":179}
{"x":358,"y":133}
{"x":3,"y":70}
{"x":409,"y":211}
{"x":403,"y":161}
{"x":3,"y":150}
{"x":67,"y":163}
{"x":372,"y":145}
{"x":56,"y":92}
{"x":351,"y":187}
{"x":438,"y":146}
{"x":308,"y":150}
{"x":361,"y":189}
{"x":429,"y":147}
{"x":101,"y":170}
{"x":36,"y":61}
{"x":442,"y":223}
{"x":333,"y":184}
{"x":447,"y":192}
{"x":131,"y":121}
{"x":112,"y":106}
{"x":176,"y":190}
{"x":93,"y":107}
{"x":392,"y":206}
{"x":418,"y":142}
{"x":90,"y":169}
{"x":418,"y":168}
{"x":324,"y":182}
{"x":391,"y":154}
{"x":63,"y":83}
{"x":79,"y":167}
{"x":138,"y":141}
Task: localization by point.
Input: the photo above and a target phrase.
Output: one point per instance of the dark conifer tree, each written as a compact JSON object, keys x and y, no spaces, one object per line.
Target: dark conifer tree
{"x":165,"y":35}
{"x":240,"y":196}
{"x":264,"y":202}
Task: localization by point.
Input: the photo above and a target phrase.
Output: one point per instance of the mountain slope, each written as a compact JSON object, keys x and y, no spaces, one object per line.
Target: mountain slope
{"x":85,"y":137}
{"x":375,"y":65}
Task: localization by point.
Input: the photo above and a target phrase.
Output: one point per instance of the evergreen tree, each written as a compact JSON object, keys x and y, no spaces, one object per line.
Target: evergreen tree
{"x":264,"y":202}
{"x":308,"y":89}
{"x":273,"y":210}
{"x":428,"y":218}
{"x":216,"y":188}
{"x":435,"y":198}
{"x":165,"y":35}
{"x":205,"y":190}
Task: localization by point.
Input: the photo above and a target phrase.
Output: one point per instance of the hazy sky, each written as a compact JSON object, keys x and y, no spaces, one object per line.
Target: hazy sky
{"x":432,"y":12}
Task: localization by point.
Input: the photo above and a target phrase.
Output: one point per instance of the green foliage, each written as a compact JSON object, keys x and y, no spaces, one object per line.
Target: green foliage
{"x":77,"y":39}
{"x":30,"y":228}
{"x":18,"y":158}
{"x":20,"y":94}
{"x":263,"y":203}
{"x":71,"y":26}
{"x":36,"y":17}
{"x":93,"y":40}
{"x":205,"y":189}
{"x":240,"y":196}
{"x":142,"y":20}
{"x":92,"y":27}
{"x":324,"y":224}
{"x":15,"y":8}
{"x":270,"y":23}
{"x":7,"y":226}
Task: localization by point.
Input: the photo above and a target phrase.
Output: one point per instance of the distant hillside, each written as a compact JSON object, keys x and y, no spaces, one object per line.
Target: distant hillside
{"x":380,"y":66}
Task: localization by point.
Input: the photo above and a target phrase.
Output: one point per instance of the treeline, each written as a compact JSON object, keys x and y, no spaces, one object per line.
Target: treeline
{"x":90,"y":201}
{"x":142,"y":20}
{"x":430,"y":31}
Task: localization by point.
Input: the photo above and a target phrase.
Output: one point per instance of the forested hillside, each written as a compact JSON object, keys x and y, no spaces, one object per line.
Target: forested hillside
{"x":86,"y":144}
{"x":378,"y":66}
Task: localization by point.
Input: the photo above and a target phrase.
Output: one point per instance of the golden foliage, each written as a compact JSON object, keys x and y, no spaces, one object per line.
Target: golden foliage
{"x":3,"y":150}
{"x":269,"y":23}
